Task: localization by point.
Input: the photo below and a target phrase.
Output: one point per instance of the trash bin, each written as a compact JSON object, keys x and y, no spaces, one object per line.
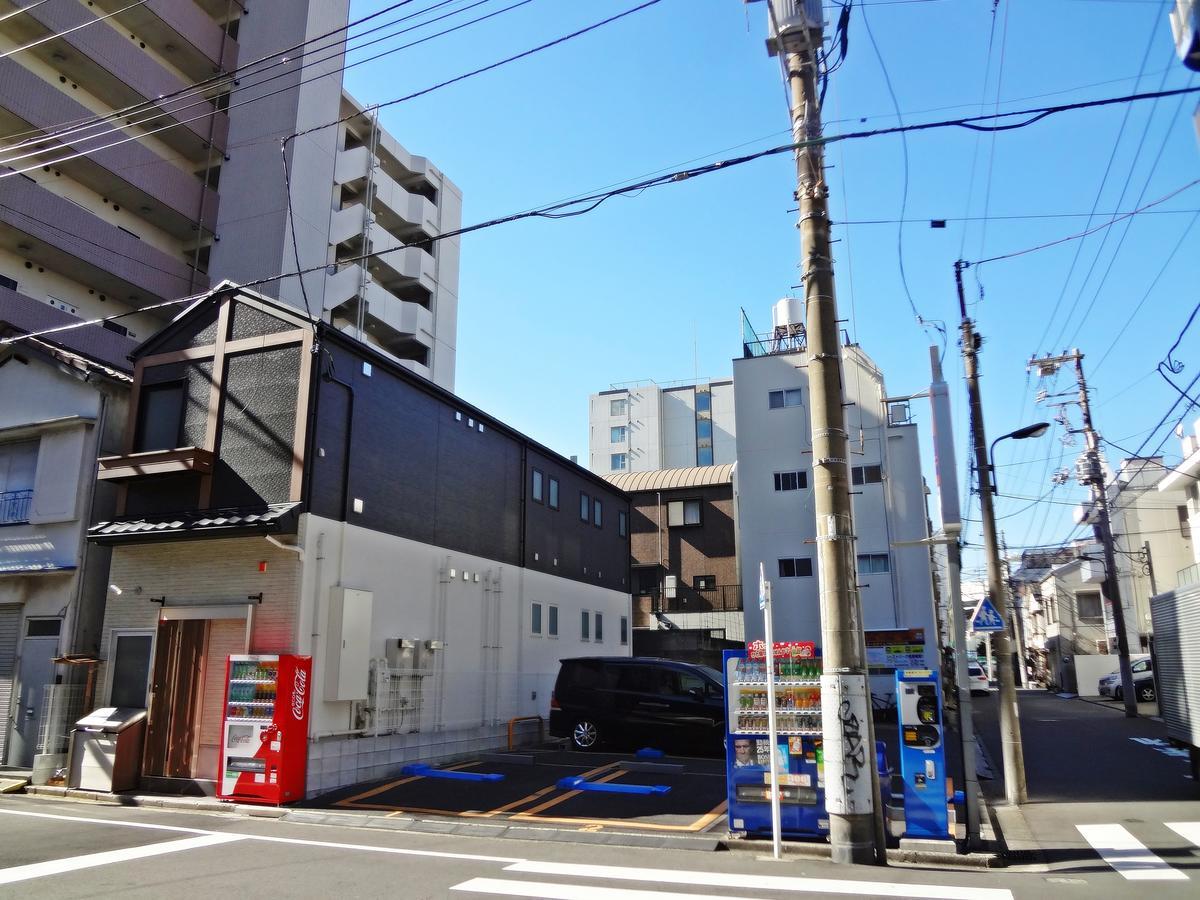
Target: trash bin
{"x":106,"y":749}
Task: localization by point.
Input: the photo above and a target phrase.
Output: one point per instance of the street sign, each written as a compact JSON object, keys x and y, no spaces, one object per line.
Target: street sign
{"x":764,"y":587}
{"x":986,"y":618}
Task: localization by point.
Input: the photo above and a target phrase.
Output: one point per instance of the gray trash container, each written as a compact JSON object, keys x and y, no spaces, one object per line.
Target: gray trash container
{"x":106,"y":749}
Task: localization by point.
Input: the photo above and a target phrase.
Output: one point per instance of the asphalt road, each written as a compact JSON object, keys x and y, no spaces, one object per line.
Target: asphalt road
{"x":1103,"y":789}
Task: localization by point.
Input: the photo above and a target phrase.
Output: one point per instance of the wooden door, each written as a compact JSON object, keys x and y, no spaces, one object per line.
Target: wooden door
{"x":174,"y":698}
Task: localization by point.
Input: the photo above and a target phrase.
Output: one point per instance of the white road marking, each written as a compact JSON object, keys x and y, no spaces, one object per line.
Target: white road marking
{"x":91,"y":821}
{"x":763,"y":882}
{"x":108,"y":857}
{"x":1127,"y":854}
{"x":546,"y":891}
{"x":1189,"y":831}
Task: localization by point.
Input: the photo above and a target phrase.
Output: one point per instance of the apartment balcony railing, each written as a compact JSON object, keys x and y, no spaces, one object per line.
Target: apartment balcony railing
{"x":722,"y":598}
{"x":1190,"y":575}
{"x":14,"y":506}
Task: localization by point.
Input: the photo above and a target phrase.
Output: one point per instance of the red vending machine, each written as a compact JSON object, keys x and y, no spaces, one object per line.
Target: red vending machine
{"x":264,"y":753}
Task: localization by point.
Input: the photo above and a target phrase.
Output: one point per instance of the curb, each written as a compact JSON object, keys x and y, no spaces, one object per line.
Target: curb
{"x":153,"y":801}
{"x":760,"y":847}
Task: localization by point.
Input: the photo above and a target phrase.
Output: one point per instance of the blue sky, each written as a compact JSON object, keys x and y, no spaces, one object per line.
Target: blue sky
{"x":652,"y":286}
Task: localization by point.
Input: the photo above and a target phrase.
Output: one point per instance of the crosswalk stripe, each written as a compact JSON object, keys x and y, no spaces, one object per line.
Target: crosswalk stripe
{"x":108,"y":857}
{"x":547,"y":891}
{"x":761,"y":882}
{"x":1127,"y":855}
{"x":1189,"y":831}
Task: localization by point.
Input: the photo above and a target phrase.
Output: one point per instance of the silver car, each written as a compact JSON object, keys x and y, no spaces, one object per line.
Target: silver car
{"x":1143,"y":681}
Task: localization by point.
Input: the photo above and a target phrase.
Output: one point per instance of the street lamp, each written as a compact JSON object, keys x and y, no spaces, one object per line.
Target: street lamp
{"x":1029,"y":431}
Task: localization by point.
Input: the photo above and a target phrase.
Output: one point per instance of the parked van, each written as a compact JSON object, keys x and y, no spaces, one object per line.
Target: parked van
{"x":638,"y":702}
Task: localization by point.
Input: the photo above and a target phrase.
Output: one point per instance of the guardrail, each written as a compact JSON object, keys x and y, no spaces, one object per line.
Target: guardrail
{"x":14,"y":506}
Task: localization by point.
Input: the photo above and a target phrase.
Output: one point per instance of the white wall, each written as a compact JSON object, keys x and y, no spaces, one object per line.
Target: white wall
{"x":679,"y":427}
{"x":724,"y":423}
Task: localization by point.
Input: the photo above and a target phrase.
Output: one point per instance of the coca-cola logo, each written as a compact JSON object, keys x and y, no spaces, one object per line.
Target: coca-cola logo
{"x":298,"y":690}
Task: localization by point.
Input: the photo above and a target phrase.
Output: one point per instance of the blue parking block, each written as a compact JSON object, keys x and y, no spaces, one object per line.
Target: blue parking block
{"x":579,"y":783}
{"x":649,"y":753}
{"x":427,"y":771}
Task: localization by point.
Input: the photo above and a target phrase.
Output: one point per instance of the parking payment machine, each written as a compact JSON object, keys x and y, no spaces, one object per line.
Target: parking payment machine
{"x":922,"y":754}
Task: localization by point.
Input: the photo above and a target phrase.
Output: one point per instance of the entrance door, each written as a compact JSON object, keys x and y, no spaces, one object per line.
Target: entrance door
{"x":35,"y":673}
{"x":175,"y":698}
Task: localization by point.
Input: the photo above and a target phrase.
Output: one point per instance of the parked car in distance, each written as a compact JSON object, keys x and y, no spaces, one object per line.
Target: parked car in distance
{"x":1143,"y":682}
{"x":636,"y":702}
{"x":978,"y":680}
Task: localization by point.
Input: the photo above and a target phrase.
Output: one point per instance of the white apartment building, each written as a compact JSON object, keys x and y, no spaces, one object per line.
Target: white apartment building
{"x":776,"y":519}
{"x":645,"y":426}
{"x":1185,"y":479}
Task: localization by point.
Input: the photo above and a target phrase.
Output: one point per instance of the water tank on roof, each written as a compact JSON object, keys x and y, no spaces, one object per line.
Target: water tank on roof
{"x":788,"y":311}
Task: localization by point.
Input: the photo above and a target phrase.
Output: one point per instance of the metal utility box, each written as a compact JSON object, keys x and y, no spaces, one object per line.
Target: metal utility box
{"x":348,"y":644}
{"x":1176,"y":619}
{"x":106,"y":749}
{"x":922,"y":754}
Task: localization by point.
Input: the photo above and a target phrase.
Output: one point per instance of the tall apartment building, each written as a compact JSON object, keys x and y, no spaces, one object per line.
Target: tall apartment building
{"x":647,"y":426}
{"x":774,"y":494}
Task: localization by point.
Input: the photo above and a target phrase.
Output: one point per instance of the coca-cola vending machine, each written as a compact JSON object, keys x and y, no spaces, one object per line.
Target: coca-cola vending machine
{"x":264,"y":750}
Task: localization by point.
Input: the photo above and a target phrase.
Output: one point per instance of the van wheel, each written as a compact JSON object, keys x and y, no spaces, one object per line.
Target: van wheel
{"x":1145,"y":693}
{"x":1119,"y":694}
{"x":585,"y":735}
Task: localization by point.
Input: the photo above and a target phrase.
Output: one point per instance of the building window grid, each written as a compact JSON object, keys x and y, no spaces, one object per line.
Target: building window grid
{"x":622,"y":523}
{"x":598,"y":630}
{"x":795,"y":567}
{"x":537,"y":481}
{"x":585,"y":507}
{"x":552,"y":498}
{"x":535,"y":619}
{"x":552,"y":620}
{"x":624,"y":631}
{"x":618,"y":434}
{"x":873,"y":563}
{"x":683,"y":512}
{"x":791,"y":481}
{"x":860,"y":475}
{"x":618,"y":407}
{"x":785,"y":398}
{"x":597,"y":513}
{"x":585,"y":623}
{"x":618,"y":462}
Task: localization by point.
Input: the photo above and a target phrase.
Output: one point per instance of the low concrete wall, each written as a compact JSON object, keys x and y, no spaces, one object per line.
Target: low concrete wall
{"x":1090,"y":669}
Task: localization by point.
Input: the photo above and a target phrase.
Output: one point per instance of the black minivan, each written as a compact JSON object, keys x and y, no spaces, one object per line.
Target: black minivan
{"x":638,"y":702}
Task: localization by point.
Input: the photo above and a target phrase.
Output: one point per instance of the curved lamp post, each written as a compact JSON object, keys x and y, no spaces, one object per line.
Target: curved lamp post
{"x":1029,"y":431}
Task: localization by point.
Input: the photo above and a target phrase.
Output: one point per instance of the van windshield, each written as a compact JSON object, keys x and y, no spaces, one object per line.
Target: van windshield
{"x":712,"y":673}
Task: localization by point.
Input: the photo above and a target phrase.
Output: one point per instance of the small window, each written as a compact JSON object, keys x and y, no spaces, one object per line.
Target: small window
{"x":552,"y":620}
{"x":704,"y":429}
{"x":536,"y":487}
{"x":1088,"y":605}
{"x":703,"y":401}
{"x":43,"y":627}
{"x":130,"y":663}
{"x":1185,"y":528}
{"x":791,"y":481}
{"x":535,"y":618}
{"x":617,"y":434}
{"x":795,"y":567}
{"x":618,"y":407}
{"x":704,"y":456}
{"x":599,"y":627}
{"x":585,"y":507}
{"x":785,"y":398}
{"x":866,"y":475}
{"x":585,"y":626}
{"x":618,"y":462}
{"x":160,"y":417}
{"x":873,"y":563}
{"x":597,"y":514}
{"x":622,"y":523}
{"x":683,"y":512}
{"x":553,"y":500}
{"x":704,"y":582}
{"x":10,"y":283}
{"x":624,"y":631}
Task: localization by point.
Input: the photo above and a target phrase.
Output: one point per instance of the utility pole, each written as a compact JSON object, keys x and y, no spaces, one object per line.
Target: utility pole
{"x":1091,"y":474}
{"x":1010,"y":723}
{"x":856,"y":828}
{"x":1018,"y":619}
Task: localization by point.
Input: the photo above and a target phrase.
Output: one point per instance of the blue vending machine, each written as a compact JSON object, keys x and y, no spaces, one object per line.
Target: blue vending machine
{"x":922,"y":754}
{"x":798,"y":749}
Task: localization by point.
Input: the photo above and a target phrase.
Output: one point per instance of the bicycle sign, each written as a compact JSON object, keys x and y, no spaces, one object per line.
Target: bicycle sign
{"x":986,"y":618}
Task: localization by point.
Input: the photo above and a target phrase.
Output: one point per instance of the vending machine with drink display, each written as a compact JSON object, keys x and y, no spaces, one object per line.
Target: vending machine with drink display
{"x":264,"y":750}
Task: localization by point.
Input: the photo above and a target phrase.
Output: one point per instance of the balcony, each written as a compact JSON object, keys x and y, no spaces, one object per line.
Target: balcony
{"x":396,"y":209}
{"x":131,"y":175}
{"x":1189,"y":575}
{"x":115,"y":70}
{"x":14,"y":507}
{"x":64,"y":237}
{"x":155,"y":462}
{"x":722,"y":598}
{"x":183,"y":32}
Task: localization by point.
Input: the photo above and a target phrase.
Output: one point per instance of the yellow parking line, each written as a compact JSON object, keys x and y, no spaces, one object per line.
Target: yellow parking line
{"x":354,"y":801}
{"x":531,"y":813}
{"x":698,"y":825}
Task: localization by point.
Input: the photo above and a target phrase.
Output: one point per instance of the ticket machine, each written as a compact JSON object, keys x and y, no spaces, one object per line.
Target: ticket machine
{"x":922,"y":754}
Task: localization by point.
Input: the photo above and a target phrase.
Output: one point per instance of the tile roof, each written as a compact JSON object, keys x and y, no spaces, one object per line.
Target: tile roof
{"x":274,"y":517}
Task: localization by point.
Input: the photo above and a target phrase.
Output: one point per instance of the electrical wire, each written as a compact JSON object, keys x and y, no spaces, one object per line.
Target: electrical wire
{"x":53,"y":36}
{"x":21,"y":9}
{"x":1007,"y":217}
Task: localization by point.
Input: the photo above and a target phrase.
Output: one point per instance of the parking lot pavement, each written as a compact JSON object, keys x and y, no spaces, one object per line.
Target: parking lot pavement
{"x":693,"y":802}
{"x":1144,"y":709}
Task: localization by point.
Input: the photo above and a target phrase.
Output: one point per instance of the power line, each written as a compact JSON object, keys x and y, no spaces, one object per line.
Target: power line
{"x":21,"y":9}
{"x":58,"y":34}
{"x":1007,"y":217}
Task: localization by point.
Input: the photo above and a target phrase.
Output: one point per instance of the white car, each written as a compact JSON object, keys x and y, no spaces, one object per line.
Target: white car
{"x":978,"y":680}
{"x":1143,"y":681}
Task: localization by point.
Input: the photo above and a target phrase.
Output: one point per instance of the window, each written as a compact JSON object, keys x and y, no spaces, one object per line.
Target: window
{"x":1088,"y":605}
{"x":585,"y":506}
{"x":866,"y":475}
{"x":1142,"y":665}
{"x":704,"y":429}
{"x":704,"y":582}
{"x":622,"y":523}
{"x":10,"y":283}
{"x":552,"y":620}
{"x":624,"y":630}
{"x":43,"y":627}
{"x":683,"y":512}
{"x":785,"y":398}
{"x":553,"y":501}
{"x":585,"y":623}
{"x":791,"y":481}
{"x":873,"y":563}
{"x":795,"y":567}
{"x":618,"y":462}
{"x":703,"y":401}
{"x":599,"y":627}
{"x":618,"y":407}
{"x":617,"y":434}
{"x":130,"y":655}
{"x":597,"y":514}
{"x":18,"y":466}
{"x":1185,"y":527}
{"x":535,"y":618}
{"x":160,"y":417}
{"x":704,"y":456}
{"x":537,"y":486}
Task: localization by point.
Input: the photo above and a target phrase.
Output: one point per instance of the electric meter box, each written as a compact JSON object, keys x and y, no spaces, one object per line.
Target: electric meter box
{"x":922,"y":754}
